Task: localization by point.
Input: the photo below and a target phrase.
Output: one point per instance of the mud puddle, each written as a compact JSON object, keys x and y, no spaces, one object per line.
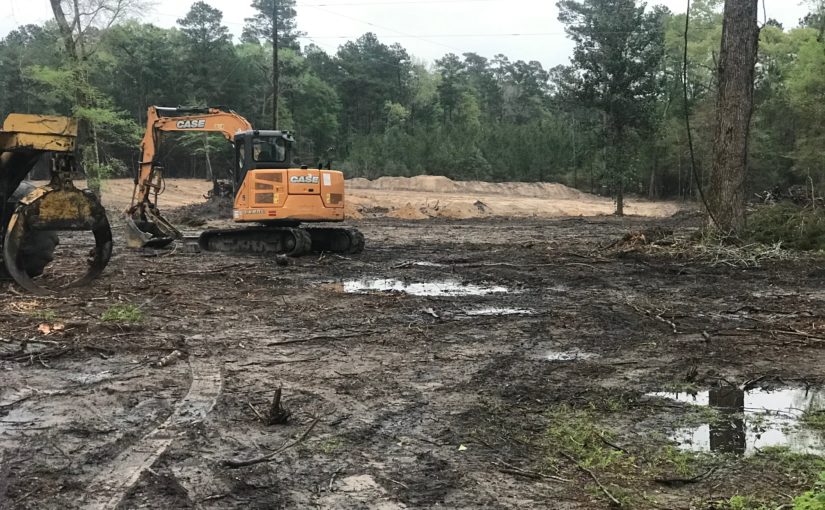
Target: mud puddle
{"x":443,"y":288}
{"x":748,"y":421}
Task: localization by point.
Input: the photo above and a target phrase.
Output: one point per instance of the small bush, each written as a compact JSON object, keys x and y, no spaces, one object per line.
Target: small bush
{"x":799,"y":228}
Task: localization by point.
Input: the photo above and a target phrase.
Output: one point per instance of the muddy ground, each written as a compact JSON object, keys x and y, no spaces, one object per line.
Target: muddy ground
{"x":151,"y":389}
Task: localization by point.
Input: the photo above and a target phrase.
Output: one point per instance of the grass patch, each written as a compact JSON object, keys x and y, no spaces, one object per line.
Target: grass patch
{"x":742,"y":503}
{"x":798,"y":228}
{"x":683,"y":463}
{"x":330,"y":445}
{"x":576,"y":432}
{"x":814,"y":420}
{"x":44,"y":314}
{"x":123,"y":313}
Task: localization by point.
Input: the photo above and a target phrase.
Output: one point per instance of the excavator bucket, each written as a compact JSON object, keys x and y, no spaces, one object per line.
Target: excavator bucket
{"x":30,"y":233}
{"x":153,"y":232}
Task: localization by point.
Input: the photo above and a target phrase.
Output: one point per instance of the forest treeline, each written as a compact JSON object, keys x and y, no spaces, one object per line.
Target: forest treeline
{"x":464,"y":116}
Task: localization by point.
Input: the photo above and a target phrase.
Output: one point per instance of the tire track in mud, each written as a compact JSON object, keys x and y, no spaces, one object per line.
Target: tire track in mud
{"x":111,"y":485}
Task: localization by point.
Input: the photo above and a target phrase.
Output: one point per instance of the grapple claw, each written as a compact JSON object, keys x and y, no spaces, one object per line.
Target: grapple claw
{"x":50,"y":209}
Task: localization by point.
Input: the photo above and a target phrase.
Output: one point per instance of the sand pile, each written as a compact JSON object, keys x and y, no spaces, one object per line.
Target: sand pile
{"x":408,"y":212}
{"x":440,"y":184}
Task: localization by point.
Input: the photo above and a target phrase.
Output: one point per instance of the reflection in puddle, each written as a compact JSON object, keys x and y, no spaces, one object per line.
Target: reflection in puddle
{"x":492,"y":310}
{"x":437,"y":289}
{"x":572,"y":355}
{"x":750,"y":421}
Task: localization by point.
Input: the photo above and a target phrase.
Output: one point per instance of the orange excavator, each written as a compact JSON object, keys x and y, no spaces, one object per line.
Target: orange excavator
{"x":268,"y":190}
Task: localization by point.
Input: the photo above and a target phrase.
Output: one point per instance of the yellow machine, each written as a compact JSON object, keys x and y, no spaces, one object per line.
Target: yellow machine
{"x":30,"y":217}
{"x":268,"y":190}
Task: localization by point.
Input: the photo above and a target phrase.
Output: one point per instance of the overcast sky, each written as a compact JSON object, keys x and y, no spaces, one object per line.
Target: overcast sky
{"x":427,"y":28}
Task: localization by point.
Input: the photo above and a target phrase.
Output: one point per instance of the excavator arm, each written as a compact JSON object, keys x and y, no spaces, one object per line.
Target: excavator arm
{"x":146,"y":226}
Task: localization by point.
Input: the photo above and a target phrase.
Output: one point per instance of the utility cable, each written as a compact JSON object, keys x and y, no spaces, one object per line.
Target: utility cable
{"x":687,"y":120}
{"x":387,"y":28}
{"x":401,"y":2}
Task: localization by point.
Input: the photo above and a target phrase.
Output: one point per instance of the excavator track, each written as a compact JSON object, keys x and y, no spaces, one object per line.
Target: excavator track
{"x":348,"y":241}
{"x":292,"y":242}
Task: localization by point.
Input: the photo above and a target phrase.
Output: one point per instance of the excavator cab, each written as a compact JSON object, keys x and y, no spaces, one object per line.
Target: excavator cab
{"x":261,"y":150}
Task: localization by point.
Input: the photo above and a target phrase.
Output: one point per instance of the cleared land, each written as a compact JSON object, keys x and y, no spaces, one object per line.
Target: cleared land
{"x":473,"y":363}
{"x":427,"y":196}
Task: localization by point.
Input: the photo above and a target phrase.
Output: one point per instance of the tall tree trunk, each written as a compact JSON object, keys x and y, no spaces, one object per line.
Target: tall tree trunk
{"x":276,"y":75}
{"x":617,"y":163}
{"x":734,"y":106}
{"x":620,"y":197}
{"x":210,"y":173}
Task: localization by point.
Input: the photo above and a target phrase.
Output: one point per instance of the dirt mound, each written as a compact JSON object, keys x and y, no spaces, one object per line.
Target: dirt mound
{"x":352,"y":212}
{"x":440,"y":184}
{"x":408,"y":212}
{"x":196,"y":215}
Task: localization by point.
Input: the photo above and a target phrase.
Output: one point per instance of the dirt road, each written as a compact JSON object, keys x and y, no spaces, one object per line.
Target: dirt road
{"x":468,"y":364}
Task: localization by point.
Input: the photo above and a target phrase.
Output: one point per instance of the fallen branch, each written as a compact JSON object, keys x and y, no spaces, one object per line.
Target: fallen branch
{"x":611,"y":497}
{"x":668,"y":322}
{"x":237,"y":463}
{"x":685,"y":481}
{"x":322,"y":337}
{"x":504,"y":467}
{"x":612,"y":445}
{"x":260,"y":417}
{"x":395,"y":481}
{"x":791,"y":332}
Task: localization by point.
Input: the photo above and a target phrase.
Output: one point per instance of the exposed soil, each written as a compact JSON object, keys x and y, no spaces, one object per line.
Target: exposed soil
{"x":455,"y":388}
{"x":426,"y":197}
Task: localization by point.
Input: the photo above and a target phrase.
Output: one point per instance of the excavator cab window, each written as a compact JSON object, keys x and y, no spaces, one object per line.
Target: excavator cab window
{"x":260,"y":150}
{"x":269,"y":149}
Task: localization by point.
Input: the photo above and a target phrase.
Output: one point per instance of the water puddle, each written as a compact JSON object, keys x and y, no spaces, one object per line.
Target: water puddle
{"x":751,"y":420}
{"x":571,"y":355}
{"x":493,"y":310}
{"x":444,"y":288}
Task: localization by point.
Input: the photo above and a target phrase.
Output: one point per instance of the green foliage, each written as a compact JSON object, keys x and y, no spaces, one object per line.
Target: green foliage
{"x":799,"y":228}
{"x":619,"y":48}
{"x":813,"y":499}
{"x":259,"y":27}
{"x":577,"y":433}
{"x":611,"y":119}
{"x":814,"y":420}
{"x":123,"y":313}
{"x":742,"y":503}
{"x":44,"y":314}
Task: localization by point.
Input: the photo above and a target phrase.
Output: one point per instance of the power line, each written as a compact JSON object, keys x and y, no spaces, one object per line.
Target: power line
{"x":402,"y":2}
{"x":529,"y":34}
{"x":386,"y":28}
